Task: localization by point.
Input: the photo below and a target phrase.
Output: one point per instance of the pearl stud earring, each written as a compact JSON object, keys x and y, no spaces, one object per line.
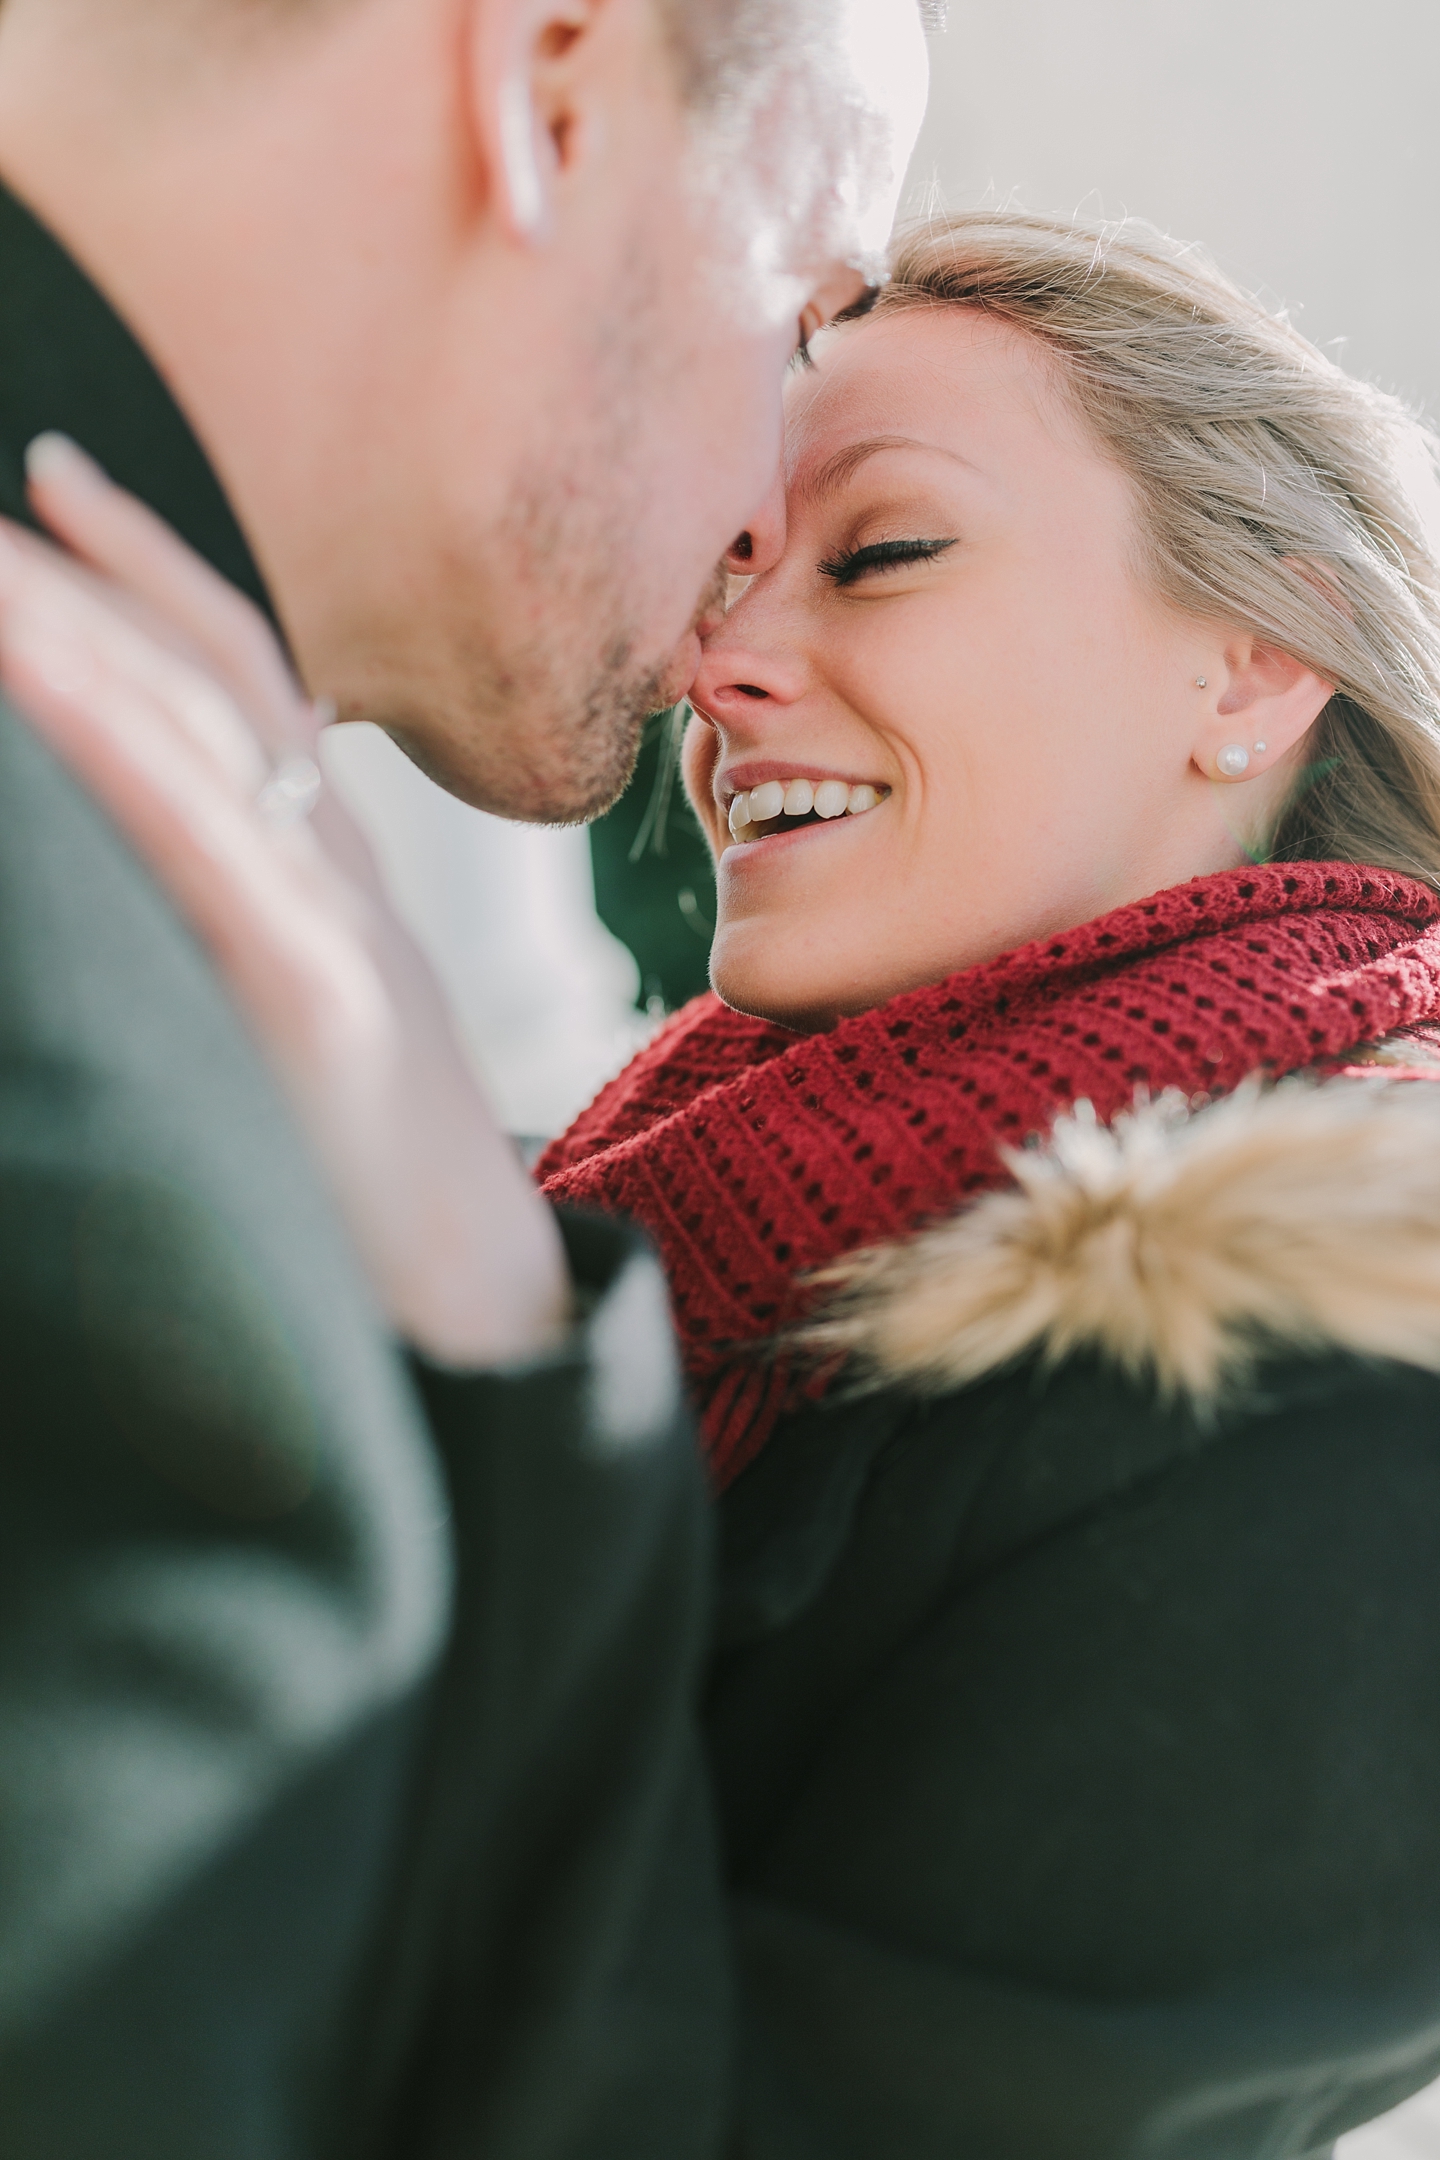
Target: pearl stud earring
{"x":1259,"y":749}
{"x":1233,"y":760}
{"x":1200,"y":682}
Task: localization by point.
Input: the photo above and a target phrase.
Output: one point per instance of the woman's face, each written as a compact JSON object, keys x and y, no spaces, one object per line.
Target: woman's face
{"x":946,"y":611}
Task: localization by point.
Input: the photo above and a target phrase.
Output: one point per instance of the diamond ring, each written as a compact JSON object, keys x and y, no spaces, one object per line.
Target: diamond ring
{"x":291,"y":791}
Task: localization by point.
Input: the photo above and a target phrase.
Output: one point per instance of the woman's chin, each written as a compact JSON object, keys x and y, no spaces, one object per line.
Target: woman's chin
{"x":751,"y":971}
{"x":749,"y":983}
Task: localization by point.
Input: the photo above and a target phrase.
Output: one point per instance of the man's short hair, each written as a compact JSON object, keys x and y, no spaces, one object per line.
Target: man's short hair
{"x":717,"y":44}
{"x":721,"y":44}
{"x":716,"y":41}
{"x":720,"y":39}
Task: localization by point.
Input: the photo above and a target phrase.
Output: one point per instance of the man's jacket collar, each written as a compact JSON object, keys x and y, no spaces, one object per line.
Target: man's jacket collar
{"x":67,"y":361}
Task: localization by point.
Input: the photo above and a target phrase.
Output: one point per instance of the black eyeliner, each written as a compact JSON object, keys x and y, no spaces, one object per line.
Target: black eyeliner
{"x":844,"y":568}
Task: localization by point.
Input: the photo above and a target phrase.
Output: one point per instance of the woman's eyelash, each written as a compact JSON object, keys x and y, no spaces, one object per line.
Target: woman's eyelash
{"x":852,"y":563}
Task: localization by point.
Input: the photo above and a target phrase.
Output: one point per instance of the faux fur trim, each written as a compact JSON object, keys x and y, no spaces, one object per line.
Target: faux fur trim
{"x":1180,"y":1244}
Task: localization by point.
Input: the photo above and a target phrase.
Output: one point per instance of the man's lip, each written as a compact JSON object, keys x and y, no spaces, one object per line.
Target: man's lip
{"x":740,"y":779}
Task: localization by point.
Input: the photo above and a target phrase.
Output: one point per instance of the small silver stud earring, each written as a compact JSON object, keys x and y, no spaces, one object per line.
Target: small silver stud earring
{"x":1259,"y":749}
{"x":1233,"y":760}
{"x":1200,"y":682}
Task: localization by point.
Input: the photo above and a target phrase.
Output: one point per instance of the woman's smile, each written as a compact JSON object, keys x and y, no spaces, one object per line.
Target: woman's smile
{"x":762,"y":807}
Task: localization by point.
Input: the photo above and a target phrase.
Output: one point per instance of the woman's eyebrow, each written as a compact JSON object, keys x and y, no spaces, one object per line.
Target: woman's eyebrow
{"x":848,"y":460}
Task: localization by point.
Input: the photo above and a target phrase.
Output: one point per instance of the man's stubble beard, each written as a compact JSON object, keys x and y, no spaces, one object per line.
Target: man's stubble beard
{"x":544,"y":725}
{"x":541,"y":728}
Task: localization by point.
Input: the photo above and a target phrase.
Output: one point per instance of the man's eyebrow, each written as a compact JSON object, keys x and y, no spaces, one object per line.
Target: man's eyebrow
{"x":847,"y":461}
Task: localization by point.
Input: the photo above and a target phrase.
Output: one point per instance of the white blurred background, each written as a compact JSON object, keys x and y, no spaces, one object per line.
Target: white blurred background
{"x":1297,"y":139}
{"x":543,"y":994}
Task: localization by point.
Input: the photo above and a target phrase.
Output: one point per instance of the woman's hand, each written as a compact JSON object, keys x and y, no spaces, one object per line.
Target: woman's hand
{"x":165,"y":692}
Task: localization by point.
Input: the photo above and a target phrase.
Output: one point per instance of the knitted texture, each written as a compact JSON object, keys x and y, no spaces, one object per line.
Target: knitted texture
{"x":753,"y":1155}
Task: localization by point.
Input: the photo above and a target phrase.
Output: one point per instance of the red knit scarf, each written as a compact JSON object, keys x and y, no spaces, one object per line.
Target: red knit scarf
{"x":752,"y":1155}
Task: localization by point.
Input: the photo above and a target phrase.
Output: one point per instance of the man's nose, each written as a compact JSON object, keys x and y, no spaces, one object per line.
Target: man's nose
{"x":760,"y":546}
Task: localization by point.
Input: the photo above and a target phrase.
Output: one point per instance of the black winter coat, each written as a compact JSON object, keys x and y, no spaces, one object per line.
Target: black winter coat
{"x":1079,"y":1767}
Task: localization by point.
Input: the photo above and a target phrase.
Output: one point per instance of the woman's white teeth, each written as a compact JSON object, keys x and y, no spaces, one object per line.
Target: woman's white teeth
{"x":798,"y":798}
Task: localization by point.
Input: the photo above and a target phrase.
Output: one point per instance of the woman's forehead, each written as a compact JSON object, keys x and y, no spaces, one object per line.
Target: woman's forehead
{"x":953,"y":376}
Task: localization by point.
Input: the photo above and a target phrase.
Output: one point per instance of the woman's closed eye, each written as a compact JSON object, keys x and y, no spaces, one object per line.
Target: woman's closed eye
{"x":851,"y":564}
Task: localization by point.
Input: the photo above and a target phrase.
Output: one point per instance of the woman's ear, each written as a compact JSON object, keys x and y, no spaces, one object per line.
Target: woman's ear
{"x":1255,"y":704}
{"x":529,"y":80}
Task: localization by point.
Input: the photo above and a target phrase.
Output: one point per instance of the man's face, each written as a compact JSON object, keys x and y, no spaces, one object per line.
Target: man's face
{"x":549,"y":595}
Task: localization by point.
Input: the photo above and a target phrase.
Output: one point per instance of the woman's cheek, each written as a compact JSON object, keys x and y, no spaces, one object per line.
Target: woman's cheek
{"x":914,"y":684}
{"x":699,"y":755}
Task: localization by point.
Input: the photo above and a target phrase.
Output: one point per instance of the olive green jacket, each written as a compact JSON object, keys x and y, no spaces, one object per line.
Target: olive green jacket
{"x":388,"y":1772}
{"x":345,"y":1709}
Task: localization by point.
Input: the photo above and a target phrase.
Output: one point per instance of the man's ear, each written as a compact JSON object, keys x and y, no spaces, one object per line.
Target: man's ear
{"x":1257,"y":699}
{"x":528,"y":75}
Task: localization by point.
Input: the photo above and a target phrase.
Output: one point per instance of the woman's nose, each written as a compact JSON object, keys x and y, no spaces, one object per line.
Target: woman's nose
{"x":747,"y":665}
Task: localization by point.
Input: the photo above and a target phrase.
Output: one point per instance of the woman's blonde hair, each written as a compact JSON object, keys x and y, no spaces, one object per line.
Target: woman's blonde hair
{"x":1275,"y":492}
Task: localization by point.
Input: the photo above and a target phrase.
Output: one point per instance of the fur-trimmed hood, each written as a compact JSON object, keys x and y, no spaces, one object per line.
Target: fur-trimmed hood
{"x":1179,"y":1243}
